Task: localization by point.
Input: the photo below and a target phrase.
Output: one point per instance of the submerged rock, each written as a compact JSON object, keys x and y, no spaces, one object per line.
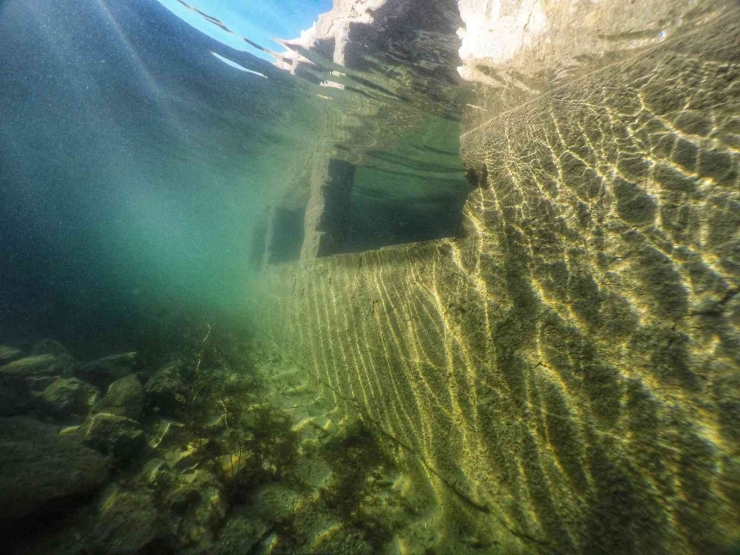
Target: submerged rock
{"x":312,"y":471}
{"x":104,"y":371}
{"x":39,"y":383}
{"x":167,"y":390}
{"x":241,"y":534}
{"x":68,"y":398}
{"x":125,"y":397}
{"x":232,"y":464}
{"x":274,"y":501}
{"x":127,"y":522}
{"x":40,"y":471}
{"x":190,"y":455}
{"x":198,"y":499}
{"x":121,"y":438}
{"x":50,"y":347}
{"x":39,"y":365}
{"x":183,"y":498}
{"x":9,"y":354}
{"x":164,"y":434}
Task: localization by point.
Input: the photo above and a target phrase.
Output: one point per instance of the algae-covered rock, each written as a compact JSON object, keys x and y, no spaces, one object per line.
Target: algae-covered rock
{"x":232,"y":464}
{"x":39,"y":365}
{"x":116,"y":436}
{"x":240,"y":535}
{"x":40,"y":471}
{"x":182,"y":498}
{"x":182,"y":458}
{"x":312,"y":471}
{"x":104,"y":371}
{"x":167,"y":390}
{"x":341,"y":538}
{"x":68,"y":398}
{"x":155,"y":472}
{"x":127,"y":523}
{"x":275,"y":501}
{"x":125,"y":397}
{"x":203,"y":505}
{"x":164,"y":434}
{"x":195,"y":507}
{"x":191,"y":454}
{"x":9,"y":354}
{"x":39,"y":383}
{"x":20,"y":378}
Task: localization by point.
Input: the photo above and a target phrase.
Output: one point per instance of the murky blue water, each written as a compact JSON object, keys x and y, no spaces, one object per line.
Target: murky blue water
{"x":140,"y":155}
{"x":134,"y":161}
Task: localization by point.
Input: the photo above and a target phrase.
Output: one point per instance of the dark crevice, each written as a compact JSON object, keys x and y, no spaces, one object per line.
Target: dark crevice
{"x":287,"y":235}
{"x":367,"y":208}
{"x":335,"y":219}
{"x":718,"y":307}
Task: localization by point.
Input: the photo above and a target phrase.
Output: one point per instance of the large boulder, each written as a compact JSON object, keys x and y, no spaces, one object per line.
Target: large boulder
{"x":200,"y":506}
{"x":118,"y":437}
{"x":125,"y":523}
{"x":241,"y":534}
{"x":104,"y":371}
{"x":125,"y":397}
{"x":165,"y":434}
{"x":40,"y":471}
{"x":41,"y":365}
{"x":167,"y":391}
{"x":68,"y":398}
{"x":21,"y":377}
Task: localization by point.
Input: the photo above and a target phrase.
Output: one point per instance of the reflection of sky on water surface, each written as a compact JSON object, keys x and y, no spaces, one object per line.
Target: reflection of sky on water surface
{"x":258,"y":20}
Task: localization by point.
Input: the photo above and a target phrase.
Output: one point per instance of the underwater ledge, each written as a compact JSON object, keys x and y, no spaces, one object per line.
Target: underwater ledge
{"x":565,"y":376}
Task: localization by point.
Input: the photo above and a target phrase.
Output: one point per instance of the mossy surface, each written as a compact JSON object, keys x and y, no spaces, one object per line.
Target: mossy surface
{"x":256,"y":465}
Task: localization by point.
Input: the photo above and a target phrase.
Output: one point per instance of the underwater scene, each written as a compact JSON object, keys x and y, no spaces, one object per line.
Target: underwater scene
{"x":369,"y":277}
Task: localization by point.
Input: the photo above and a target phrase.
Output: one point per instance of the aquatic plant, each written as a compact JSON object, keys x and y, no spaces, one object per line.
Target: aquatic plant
{"x":260,"y":446}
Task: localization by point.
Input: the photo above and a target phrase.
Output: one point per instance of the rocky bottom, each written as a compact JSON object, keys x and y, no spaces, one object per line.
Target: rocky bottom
{"x":204,"y":453}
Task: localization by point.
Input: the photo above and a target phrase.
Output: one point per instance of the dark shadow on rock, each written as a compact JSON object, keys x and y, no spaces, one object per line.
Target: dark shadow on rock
{"x":661,"y":282}
{"x":625,"y":516}
{"x":634,"y":205}
{"x":601,"y":384}
{"x":542,"y":498}
{"x":41,"y":471}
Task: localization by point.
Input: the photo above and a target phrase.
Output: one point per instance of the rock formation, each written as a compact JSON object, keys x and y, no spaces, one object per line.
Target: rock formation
{"x":565,"y":376}
{"x":41,"y":471}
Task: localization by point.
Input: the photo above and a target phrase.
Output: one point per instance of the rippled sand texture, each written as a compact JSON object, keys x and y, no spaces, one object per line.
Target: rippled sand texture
{"x":569,"y":373}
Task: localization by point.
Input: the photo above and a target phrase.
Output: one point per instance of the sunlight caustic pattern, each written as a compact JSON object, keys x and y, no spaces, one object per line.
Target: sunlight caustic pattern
{"x":566,"y":374}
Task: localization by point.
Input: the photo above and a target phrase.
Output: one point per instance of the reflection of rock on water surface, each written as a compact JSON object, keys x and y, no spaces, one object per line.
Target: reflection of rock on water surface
{"x":566,"y":375}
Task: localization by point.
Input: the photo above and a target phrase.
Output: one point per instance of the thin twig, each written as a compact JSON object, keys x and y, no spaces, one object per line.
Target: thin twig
{"x":197,"y":387}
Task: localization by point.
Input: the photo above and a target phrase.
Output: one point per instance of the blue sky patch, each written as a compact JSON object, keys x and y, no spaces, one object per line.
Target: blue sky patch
{"x":230,"y":21}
